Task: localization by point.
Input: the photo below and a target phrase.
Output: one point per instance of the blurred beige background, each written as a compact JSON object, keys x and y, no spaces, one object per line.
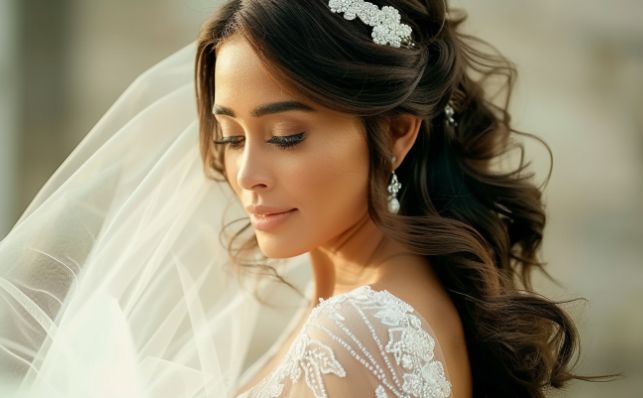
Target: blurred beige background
{"x":580,"y":88}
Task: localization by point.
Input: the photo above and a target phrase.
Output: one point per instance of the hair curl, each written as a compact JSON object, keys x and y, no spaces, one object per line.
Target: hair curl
{"x":480,"y":228}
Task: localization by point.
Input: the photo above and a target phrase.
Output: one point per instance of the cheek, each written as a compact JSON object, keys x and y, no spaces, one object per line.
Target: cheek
{"x":333,"y":187}
{"x":230,"y":172}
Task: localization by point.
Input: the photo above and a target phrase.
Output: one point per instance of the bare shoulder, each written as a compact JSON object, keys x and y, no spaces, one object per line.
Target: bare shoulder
{"x":431,"y":302}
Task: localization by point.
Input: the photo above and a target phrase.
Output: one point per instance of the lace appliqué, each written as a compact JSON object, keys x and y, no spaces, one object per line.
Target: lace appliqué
{"x":380,"y":392}
{"x":417,"y":374}
{"x":311,"y":356}
{"x":412,"y":347}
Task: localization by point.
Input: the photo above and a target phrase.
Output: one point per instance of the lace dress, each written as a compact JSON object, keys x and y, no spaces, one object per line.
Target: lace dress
{"x":362,"y":343}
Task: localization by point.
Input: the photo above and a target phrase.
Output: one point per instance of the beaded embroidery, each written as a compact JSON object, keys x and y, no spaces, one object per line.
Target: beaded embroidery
{"x":406,"y":367}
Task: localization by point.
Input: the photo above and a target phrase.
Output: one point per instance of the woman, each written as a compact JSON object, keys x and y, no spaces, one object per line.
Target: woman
{"x":352,"y":105}
{"x":359,"y":135}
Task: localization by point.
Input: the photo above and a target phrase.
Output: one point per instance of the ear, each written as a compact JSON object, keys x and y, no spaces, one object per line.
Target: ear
{"x":404,"y":129}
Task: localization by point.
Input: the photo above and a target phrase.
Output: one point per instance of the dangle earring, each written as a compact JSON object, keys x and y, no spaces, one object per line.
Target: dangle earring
{"x":393,"y":188}
{"x":450,"y":112}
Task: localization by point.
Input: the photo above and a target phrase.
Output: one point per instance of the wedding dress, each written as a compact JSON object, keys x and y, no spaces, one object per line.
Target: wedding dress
{"x":363,"y":343}
{"x":116,"y":282}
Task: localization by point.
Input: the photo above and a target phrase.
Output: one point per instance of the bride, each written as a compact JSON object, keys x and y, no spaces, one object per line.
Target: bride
{"x":379,"y":253}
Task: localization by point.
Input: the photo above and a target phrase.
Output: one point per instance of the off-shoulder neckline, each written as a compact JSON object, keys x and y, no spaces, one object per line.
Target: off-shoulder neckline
{"x":269,"y":355}
{"x":370,"y":288}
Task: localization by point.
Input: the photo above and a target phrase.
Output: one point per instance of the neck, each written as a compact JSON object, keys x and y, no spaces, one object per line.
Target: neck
{"x":358,"y":256}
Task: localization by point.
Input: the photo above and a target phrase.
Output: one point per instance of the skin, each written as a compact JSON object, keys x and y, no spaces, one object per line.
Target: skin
{"x":325,"y":177}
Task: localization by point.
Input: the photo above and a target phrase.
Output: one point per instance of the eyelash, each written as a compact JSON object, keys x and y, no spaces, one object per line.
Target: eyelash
{"x":283,"y":142}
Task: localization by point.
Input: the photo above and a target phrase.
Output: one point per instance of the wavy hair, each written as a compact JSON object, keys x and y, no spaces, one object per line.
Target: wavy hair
{"x":481,"y":228}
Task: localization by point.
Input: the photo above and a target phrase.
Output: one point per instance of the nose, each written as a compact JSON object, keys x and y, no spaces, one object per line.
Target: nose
{"x":253,"y":168}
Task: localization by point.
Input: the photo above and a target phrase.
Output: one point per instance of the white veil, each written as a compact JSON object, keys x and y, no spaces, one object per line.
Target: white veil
{"x":115,"y":282}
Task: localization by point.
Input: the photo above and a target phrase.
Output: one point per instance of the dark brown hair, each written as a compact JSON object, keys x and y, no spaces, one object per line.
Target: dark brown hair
{"x":481,"y":229}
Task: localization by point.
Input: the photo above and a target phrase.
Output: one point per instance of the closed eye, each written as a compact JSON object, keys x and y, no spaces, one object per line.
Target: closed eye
{"x":287,"y":141}
{"x":283,"y":142}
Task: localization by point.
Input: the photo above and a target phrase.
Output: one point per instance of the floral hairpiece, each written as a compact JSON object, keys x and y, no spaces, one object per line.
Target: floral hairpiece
{"x":387,"y":28}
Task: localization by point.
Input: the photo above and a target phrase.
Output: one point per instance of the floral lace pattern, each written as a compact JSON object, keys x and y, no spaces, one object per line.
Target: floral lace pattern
{"x":405,"y":365}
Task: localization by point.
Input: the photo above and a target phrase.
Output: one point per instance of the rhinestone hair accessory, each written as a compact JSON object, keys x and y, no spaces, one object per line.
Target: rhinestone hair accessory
{"x":387,"y":29}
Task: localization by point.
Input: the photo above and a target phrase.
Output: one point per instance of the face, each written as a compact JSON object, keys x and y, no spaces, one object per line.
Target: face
{"x":305,"y":160}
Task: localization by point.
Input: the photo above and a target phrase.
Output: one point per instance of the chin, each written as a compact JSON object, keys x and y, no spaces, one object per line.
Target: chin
{"x":274,"y":247}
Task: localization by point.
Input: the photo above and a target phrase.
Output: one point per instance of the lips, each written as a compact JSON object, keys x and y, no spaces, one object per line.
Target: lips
{"x":264,"y":210}
{"x":260,"y":215}
{"x":267,"y":221}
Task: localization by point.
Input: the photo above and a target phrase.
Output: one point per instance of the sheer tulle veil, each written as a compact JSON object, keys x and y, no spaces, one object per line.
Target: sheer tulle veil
{"x":115,"y":281}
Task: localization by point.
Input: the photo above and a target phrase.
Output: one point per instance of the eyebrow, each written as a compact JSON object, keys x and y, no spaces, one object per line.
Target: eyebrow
{"x":266,"y":109}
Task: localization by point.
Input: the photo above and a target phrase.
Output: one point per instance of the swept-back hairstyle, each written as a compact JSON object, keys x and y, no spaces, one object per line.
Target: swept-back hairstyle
{"x":480,"y":228}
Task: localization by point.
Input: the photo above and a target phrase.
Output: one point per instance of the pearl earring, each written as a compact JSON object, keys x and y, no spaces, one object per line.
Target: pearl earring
{"x":393,"y":188}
